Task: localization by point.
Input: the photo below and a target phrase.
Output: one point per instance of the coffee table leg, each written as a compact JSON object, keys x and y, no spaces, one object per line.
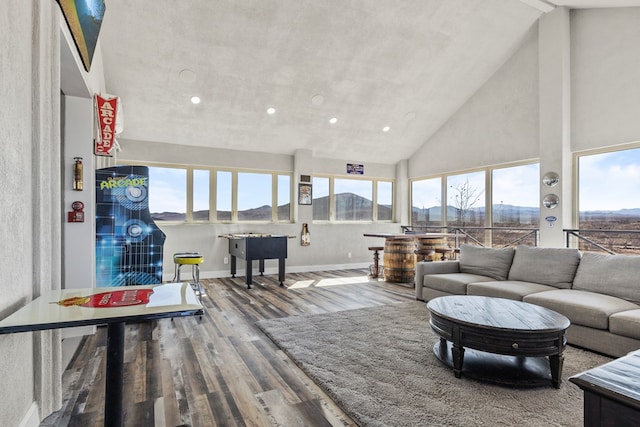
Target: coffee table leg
{"x":555,"y":363}
{"x":457,"y":352}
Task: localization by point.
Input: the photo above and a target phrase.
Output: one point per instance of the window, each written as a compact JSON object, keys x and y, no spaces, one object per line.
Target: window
{"x":321,"y":199}
{"x":426,"y":205}
{"x":201,"y":195}
{"x":186,"y":194}
{"x":466,"y":199}
{"x":223,"y":195}
{"x":168,"y":194}
{"x":254,"y":196}
{"x":515,"y":195}
{"x":384,"y":197}
{"x":284,"y":198}
{"x":353,"y":199}
{"x":609,"y":199}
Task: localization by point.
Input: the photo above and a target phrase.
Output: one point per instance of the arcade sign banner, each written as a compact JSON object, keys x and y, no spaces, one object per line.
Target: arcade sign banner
{"x":106,"y":110}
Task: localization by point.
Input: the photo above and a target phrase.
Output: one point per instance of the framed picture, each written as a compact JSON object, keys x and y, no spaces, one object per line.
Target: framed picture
{"x":84,"y":18}
{"x":304,"y":194}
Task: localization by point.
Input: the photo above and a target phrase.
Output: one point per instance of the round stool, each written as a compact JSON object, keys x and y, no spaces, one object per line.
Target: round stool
{"x":424,"y":254}
{"x":375,"y":268}
{"x":443,"y":252}
{"x":194,"y":259}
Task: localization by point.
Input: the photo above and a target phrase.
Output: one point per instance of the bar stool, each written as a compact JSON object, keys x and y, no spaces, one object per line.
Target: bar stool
{"x":444,"y":252}
{"x":194,"y":259}
{"x":375,"y":268}
{"x":424,"y":254}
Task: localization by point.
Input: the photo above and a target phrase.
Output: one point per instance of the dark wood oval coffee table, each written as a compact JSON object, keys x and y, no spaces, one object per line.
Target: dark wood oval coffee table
{"x":506,"y":341}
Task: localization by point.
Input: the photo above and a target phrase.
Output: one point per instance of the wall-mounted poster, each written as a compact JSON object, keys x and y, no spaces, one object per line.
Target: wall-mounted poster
{"x":304,"y":194}
{"x":84,"y":18}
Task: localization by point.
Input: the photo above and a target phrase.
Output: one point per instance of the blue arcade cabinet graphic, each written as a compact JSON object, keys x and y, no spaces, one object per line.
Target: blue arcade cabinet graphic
{"x":128,"y":242}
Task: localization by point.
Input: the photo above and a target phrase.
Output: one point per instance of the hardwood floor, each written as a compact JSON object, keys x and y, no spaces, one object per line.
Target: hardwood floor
{"x":220,"y":369}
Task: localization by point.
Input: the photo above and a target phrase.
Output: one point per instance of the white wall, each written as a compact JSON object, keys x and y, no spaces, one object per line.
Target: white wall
{"x":605,"y":60}
{"x":498,"y":124}
{"x":31,"y":203}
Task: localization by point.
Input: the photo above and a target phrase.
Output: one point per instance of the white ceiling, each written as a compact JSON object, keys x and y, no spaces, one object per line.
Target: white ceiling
{"x":407,"y":64}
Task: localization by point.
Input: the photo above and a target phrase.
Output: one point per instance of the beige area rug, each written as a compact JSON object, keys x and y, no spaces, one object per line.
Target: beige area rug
{"x":378,"y":365}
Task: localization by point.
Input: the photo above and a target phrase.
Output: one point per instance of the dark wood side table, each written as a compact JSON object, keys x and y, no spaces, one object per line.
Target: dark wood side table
{"x":612,"y":392}
{"x":503,"y":327}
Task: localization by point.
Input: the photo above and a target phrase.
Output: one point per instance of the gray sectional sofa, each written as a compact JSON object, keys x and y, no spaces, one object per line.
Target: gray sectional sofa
{"x":599,"y":293}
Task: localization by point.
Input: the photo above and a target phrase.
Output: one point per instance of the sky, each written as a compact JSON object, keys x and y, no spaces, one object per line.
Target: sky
{"x":608,"y":181}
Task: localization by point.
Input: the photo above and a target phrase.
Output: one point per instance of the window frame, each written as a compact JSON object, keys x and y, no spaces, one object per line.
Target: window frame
{"x":189,"y":219}
{"x":488,"y":189}
{"x":374,"y":183}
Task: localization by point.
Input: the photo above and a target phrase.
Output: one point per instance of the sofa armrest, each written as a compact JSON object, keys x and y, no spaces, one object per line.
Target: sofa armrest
{"x":433,"y":267}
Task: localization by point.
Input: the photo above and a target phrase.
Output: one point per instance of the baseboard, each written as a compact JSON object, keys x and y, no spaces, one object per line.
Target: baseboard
{"x":216,"y":274}
{"x":293,"y":269}
{"x":31,"y":417}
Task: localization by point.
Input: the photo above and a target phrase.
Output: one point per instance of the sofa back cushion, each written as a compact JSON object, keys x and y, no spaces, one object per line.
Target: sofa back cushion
{"x":548,"y":266}
{"x":615,"y":275}
{"x":488,"y":262}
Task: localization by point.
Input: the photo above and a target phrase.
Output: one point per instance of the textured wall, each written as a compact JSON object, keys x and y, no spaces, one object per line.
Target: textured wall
{"x":498,"y":124}
{"x":16,"y":351}
{"x":604,"y":68}
{"x":30,"y":225}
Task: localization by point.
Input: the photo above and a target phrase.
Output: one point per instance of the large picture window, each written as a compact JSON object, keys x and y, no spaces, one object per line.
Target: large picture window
{"x":513,"y":198}
{"x":426,"y":205}
{"x":188,"y":194}
{"x":515,"y":195}
{"x":609,"y":199}
{"x":254,"y":196}
{"x":168,"y":194}
{"x":466,"y":199}
{"x":351,"y":199}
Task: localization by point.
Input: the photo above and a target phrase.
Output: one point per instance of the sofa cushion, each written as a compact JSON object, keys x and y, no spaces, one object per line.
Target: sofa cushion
{"x":616,"y":275}
{"x":549,"y":266}
{"x":453,"y":283}
{"x":626,"y":323}
{"x":581,"y":307}
{"x":506,"y":289}
{"x":490,"y":262}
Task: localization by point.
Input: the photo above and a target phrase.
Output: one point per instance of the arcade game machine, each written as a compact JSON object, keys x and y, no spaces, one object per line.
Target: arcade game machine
{"x":128,"y":242}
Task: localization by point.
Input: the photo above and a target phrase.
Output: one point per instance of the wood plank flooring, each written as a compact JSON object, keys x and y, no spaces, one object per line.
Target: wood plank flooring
{"x":220,"y":369}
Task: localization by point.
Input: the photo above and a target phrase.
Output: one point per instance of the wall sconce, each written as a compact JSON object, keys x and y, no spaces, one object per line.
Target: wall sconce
{"x":550,"y":201}
{"x":550,"y":179}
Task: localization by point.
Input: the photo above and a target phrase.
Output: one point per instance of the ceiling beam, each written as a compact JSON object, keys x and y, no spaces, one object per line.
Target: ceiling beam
{"x":541,"y":5}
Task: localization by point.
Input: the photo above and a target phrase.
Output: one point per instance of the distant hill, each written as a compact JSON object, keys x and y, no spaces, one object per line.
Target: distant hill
{"x":355,"y":208}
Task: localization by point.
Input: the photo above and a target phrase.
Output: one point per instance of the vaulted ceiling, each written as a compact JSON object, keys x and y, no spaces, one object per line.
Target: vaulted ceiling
{"x":407,"y":65}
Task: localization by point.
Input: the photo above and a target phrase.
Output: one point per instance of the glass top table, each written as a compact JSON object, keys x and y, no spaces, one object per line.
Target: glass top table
{"x":105,"y":306}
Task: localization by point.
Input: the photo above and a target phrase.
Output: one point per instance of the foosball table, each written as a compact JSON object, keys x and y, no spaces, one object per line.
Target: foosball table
{"x":253,"y":246}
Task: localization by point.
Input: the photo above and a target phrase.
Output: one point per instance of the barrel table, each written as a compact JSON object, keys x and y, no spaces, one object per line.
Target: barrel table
{"x":399,"y":259}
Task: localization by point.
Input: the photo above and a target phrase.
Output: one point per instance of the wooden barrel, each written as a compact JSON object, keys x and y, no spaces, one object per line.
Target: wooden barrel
{"x":432,"y":243}
{"x":399,"y":260}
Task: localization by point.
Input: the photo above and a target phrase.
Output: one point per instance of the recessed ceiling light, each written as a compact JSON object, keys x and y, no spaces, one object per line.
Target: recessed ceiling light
{"x":317,"y":99}
{"x":271,"y":110}
{"x":386,"y":129}
{"x":333,"y":120}
{"x":187,"y":76}
{"x":195,"y":100}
